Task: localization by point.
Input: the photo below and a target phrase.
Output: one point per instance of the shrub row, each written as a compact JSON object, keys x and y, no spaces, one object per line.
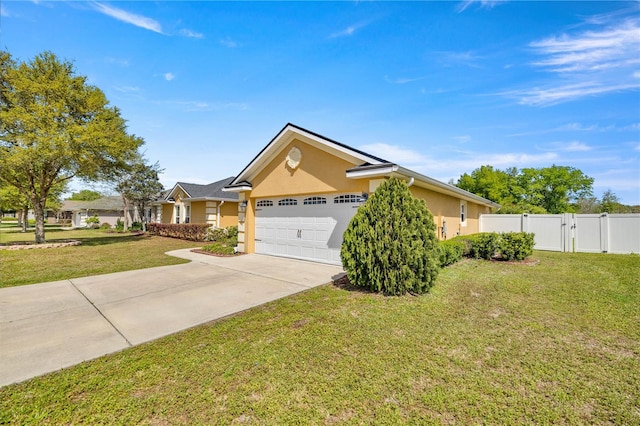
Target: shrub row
{"x":229,"y":233}
{"x":184,"y":231}
{"x":487,"y":245}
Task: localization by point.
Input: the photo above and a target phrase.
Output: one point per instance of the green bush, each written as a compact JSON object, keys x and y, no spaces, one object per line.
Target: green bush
{"x":390,"y":245}
{"x":105,"y":225}
{"x":220,"y":248}
{"x":451,"y":251}
{"x":119,"y":225}
{"x":183,"y":231}
{"x":228,"y":234}
{"x":484,"y":245}
{"x":136,"y":226}
{"x":516,"y":245}
{"x":9,"y":219}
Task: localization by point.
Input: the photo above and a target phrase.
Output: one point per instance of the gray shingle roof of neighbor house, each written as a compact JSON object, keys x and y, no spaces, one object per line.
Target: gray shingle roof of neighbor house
{"x":209,"y":191}
{"x":110,"y":203}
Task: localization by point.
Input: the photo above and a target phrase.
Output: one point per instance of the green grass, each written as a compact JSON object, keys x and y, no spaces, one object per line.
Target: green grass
{"x":101,"y":252}
{"x":557,"y":342}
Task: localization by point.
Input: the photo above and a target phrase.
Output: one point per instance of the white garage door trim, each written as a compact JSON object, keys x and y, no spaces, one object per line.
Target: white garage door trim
{"x":308,"y":227}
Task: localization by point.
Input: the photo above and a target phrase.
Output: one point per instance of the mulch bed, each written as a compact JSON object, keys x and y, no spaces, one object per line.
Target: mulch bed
{"x":216,"y":254}
{"x":28,"y":246}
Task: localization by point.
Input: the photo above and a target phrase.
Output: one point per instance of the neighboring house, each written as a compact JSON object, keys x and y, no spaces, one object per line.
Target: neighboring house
{"x":108,"y":209}
{"x":193,"y":203}
{"x":299,"y":193}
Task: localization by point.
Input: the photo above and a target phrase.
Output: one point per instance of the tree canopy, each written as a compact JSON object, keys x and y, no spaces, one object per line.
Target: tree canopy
{"x":53,"y":127}
{"x":139,"y":185}
{"x":553,"y":189}
{"x":85,"y":195}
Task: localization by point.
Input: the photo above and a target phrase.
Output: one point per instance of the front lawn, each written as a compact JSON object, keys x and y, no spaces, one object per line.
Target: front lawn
{"x":101,"y":252}
{"x":494,"y":343}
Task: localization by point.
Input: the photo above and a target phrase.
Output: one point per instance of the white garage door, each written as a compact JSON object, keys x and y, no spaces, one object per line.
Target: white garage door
{"x":307,"y":228}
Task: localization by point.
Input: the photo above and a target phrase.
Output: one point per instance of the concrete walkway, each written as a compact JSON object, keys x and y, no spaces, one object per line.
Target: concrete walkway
{"x":49,"y":326}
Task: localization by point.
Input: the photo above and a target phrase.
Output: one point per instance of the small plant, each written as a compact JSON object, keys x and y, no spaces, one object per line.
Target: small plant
{"x":93,"y":221}
{"x":516,"y":245}
{"x":119,"y":225}
{"x":105,"y":225}
{"x":220,"y":248}
{"x":136,"y":226}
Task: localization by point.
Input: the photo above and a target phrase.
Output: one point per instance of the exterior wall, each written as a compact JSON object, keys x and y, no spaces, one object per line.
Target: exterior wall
{"x":228,"y":214}
{"x":198,"y":209}
{"x":167,"y":213}
{"x":318,"y":173}
{"x":446,"y":208}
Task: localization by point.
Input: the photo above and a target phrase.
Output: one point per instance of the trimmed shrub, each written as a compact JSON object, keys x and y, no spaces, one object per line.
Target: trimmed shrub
{"x":390,"y":245}
{"x":183,"y":231}
{"x":516,"y":245}
{"x":105,"y":225}
{"x":451,"y":251}
{"x":484,"y":245}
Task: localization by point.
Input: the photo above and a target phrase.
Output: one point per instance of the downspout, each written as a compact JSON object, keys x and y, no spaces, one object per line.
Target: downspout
{"x":218,"y":220}
{"x":411,"y":180}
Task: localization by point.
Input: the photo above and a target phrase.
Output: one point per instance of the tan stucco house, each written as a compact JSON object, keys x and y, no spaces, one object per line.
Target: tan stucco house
{"x":194,"y":203}
{"x":299,"y":193}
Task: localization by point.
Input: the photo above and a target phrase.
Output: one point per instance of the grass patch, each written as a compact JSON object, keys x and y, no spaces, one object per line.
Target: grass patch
{"x":495,"y":343}
{"x":101,"y":252}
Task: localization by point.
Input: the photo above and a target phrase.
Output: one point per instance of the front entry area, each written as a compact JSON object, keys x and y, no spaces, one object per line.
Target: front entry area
{"x":304,"y":227}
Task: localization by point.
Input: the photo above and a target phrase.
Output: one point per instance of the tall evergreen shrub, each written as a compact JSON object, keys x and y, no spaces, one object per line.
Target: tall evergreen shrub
{"x":390,"y":245}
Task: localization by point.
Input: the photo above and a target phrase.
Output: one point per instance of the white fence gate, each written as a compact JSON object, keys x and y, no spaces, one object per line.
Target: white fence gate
{"x":589,"y":233}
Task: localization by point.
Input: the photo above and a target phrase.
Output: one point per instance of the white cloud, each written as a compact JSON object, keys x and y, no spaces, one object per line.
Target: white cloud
{"x":191,"y":34}
{"x":349,"y":31}
{"x":129,"y":18}
{"x":228,"y":42}
{"x":576,"y":146}
{"x":4,"y":12}
{"x":555,"y":94}
{"x":486,"y":4}
{"x":462,"y":139}
{"x":127,"y":89}
{"x":169,"y":76}
{"x":588,"y":63}
{"x":607,"y":48}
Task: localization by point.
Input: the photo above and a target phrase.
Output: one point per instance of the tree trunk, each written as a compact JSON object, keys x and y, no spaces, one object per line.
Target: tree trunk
{"x":23,"y":219}
{"x":38,"y":210}
{"x":125,"y":203}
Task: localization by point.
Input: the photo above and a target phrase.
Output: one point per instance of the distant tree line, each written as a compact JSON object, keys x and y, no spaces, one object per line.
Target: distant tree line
{"x":555,"y":189}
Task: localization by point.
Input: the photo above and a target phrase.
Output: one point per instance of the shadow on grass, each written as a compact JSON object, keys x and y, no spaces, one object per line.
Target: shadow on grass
{"x":102,"y":241}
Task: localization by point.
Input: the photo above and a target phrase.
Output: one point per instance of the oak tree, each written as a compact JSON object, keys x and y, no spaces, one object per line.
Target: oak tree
{"x":54,"y":126}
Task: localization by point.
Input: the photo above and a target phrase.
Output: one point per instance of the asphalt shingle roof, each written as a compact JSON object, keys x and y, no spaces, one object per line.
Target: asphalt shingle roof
{"x":212,"y":190}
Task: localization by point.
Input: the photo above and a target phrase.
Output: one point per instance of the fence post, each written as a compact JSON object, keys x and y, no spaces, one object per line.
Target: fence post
{"x":604,"y":233}
{"x":524,"y":226}
{"x":569,"y":232}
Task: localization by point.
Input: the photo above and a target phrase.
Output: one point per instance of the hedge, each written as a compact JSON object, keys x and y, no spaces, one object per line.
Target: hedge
{"x":183,"y":231}
{"x":487,"y":245}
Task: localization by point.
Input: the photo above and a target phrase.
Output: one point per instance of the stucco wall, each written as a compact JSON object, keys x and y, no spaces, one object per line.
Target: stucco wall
{"x":228,"y":214}
{"x":167,"y":213}
{"x":198,"y":212}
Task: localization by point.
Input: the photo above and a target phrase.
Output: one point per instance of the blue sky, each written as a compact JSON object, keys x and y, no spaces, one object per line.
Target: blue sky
{"x":438,"y":87}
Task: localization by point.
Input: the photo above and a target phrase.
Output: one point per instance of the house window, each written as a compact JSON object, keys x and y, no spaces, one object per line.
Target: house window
{"x":315,"y":200}
{"x":177,"y":214}
{"x":288,"y":202}
{"x":349,"y":198}
{"x":463,"y":213}
{"x":265,"y":203}
{"x":187,"y":214}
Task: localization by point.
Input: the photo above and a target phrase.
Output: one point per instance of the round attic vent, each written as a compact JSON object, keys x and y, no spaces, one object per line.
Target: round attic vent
{"x":294,"y":157}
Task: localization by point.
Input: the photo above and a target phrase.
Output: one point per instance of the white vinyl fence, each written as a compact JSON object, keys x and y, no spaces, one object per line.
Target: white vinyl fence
{"x":568,"y":232}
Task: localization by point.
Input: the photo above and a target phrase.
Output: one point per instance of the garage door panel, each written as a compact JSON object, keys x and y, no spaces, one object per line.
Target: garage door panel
{"x":312,"y":232}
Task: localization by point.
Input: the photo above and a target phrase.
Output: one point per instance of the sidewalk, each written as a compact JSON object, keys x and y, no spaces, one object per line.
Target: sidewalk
{"x":49,"y":326}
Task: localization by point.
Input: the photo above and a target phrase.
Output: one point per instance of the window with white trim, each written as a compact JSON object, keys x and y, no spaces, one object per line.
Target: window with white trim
{"x":187,"y":214}
{"x":315,"y":200}
{"x":265,"y":203}
{"x":288,"y":202}
{"x":177,"y":214}
{"x":349,"y":198}
{"x":463,"y":213}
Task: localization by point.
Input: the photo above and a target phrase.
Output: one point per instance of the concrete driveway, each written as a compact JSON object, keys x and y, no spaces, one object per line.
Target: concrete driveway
{"x":49,"y":326}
